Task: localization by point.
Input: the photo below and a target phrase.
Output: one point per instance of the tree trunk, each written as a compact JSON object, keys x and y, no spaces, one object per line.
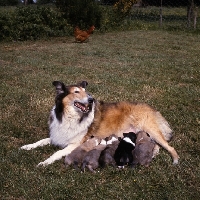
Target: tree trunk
{"x":25,"y":2}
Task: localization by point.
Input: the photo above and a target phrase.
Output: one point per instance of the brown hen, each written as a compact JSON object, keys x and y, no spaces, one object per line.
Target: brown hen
{"x":80,"y":35}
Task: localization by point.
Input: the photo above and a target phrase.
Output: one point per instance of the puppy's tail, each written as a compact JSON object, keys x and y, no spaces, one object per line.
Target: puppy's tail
{"x":76,"y":165}
{"x":83,"y":166}
{"x":102,"y":162}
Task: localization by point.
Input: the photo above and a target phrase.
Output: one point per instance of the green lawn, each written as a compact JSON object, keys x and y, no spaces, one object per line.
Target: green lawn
{"x":156,"y":67}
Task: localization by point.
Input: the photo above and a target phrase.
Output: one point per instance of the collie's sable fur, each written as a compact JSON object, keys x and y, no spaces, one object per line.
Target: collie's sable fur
{"x":76,"y":116}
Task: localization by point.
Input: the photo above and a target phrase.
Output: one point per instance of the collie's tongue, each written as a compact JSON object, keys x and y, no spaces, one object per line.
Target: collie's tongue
{"x":81,"y":106}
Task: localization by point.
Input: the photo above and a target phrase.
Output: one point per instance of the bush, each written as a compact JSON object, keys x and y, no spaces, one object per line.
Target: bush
{"x":9,"y":2}
{"x":32,"y":23}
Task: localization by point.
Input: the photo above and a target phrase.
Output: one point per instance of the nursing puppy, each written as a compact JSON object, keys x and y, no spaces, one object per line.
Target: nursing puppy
{"x":76,"y":156}
{"x":107,"y":155}
{"x":76,"y":117}
{"x":123,"y":154}
{"x":143,"y":152}
{"x":91,"y":159}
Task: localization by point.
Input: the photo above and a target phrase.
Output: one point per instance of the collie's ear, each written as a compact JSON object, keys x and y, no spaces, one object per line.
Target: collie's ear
{"x":83,"y":84}
{"x":60,"y":87}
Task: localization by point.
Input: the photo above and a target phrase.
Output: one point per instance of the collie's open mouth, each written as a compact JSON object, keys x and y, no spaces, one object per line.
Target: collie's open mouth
{"x":82,"y":107}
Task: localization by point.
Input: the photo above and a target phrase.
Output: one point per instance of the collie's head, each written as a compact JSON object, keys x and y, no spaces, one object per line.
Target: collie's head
{"x":72,"y":98}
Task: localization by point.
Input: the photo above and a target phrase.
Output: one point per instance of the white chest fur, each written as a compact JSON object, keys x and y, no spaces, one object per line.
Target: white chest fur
{"x":70,"y":130}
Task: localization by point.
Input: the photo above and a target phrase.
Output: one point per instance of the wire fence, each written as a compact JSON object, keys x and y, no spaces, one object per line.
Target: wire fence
{"x":180,"y":15}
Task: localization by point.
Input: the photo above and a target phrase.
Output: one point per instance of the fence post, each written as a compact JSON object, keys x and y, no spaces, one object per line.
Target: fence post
{"x":160,"y":22}
{"x":191,"y":14}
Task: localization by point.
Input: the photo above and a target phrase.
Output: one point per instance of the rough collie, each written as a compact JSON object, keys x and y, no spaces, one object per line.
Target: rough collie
{"x":77,"y":116}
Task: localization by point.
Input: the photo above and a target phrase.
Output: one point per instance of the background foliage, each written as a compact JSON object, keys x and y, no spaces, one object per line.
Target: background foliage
{"x":47,"y":20}
{"x":9,"y":2}
{"x":32,"y":23}
{"x":123,"y":7}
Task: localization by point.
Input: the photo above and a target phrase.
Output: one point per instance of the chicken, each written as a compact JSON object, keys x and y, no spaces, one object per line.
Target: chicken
{"x":80,"y":35}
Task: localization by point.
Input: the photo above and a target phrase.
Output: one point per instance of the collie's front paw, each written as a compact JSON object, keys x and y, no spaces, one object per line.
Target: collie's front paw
{"x":46,"y":162}
{"x":42,"y":164}
{"x":27,"y":147}
{"x":175,"y":161}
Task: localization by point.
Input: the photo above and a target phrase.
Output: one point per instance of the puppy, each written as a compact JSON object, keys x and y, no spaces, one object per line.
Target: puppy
{"x":92,"y":157}
{"x":123,"y":154}
{"x":143,"y":152}
{"x":77,"y":155}
{"x":107,"y":155}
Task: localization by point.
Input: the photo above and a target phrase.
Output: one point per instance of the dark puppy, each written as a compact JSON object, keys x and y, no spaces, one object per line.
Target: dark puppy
{"x":107,"y":155}
{"x":143,"y":152}
{"x":123,"y":154}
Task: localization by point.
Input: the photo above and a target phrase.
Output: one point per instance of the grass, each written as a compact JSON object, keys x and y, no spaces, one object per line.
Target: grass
{"x":156,"y":67}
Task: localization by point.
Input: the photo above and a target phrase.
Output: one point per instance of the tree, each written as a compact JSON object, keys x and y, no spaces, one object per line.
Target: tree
{"x":26,"y":2}
{"x":123,"y":7}
{"x":80,"y":12}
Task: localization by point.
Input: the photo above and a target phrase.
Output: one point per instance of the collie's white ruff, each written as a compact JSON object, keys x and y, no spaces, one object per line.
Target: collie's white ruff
{"x":67,"y":135}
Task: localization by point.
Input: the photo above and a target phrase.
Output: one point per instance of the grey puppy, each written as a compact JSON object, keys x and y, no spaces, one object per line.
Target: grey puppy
{"x":77,"y":155}
{"x":107,"y":155}
{"x":143,"y":152}
{"x":92,"y":157}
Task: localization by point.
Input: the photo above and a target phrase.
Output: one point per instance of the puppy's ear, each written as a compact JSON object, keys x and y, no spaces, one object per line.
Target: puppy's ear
{"x":134,"y":138}
{"x":119,"y":138}
{"x":83,"y":84}
{"x":125,"y":134}
{"x":60,"y":87}
{"x":106,"y":139}
{"x":148,"y":135}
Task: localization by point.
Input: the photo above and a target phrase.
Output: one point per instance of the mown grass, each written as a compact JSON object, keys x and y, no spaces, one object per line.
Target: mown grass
{"x":156,"y":67}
